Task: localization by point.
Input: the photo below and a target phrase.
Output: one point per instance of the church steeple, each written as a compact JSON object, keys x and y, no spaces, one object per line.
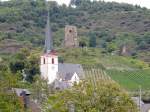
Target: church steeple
{"x":48,"y":35}
{"x":49,"y":59}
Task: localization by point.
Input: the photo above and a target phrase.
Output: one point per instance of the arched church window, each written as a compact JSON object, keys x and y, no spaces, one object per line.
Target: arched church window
{"x":52,"y":60}
{"x":44,"y":61}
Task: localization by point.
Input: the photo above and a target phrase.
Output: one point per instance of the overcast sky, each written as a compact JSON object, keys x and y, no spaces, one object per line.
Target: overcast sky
{"x":143,"y":3}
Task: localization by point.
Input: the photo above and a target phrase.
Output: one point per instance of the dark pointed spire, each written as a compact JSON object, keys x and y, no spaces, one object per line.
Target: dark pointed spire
{"x":48,"y":34}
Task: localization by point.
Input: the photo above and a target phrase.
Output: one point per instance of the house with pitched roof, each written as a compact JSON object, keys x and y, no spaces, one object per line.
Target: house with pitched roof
{"x":143,"y":107}
{"x":68,"y":74}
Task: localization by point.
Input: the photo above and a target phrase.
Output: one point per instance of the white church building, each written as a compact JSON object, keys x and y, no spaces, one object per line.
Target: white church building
{"x":49,"y":66}
{"x":62,"y":75}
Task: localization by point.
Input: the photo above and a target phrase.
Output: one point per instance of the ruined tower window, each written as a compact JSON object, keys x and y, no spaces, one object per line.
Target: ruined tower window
{"x":52,"y":60}
{"x":70,"y":31}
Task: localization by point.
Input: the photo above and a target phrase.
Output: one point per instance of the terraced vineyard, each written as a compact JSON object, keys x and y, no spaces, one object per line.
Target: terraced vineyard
{"x":131,"y":80}
{"x":96,"y":74}
{"x":128,"y":79}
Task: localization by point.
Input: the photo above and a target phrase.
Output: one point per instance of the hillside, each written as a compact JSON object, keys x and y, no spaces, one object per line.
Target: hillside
{"x":108,"y":25}
{"x":128,"y":72}
{"x":93,"y":56}
{"x":109,"y":78}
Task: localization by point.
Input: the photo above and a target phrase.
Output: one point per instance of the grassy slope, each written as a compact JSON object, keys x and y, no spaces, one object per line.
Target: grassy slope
{"x":131,"y":80}
{"x":95,"y":56}
{"x":126,"y":71}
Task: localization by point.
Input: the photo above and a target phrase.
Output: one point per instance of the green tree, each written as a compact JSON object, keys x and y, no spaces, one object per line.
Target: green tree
{"x":75,"y":2}
{"x":111,"y":47}
{"x":86,"y":97}
{"x":92,"y":40}
{"x":40,"y":90}
{"x":9,"y":102}
{"x":82,"y":44}
{"x":32,"y":67}
{"x":25,"y":61}
{"x":16,"y":66}
{"x":79,"y":2}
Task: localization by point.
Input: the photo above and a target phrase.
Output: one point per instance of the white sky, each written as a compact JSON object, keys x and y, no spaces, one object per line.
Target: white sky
{"x":142,"y":3}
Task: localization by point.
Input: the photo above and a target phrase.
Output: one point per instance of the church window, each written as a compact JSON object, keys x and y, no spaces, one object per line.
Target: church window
{"x":52,"y":60}
{"x":44,"y":61}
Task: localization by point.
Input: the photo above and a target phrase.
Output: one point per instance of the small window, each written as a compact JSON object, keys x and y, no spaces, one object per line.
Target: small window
{"x":52,"y":60}
{"x":44,"y":61}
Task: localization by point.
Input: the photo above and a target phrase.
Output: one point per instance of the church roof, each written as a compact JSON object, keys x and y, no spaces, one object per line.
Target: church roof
{"x":144,"y":107}
{"x":20,"y":90}
{"x":67,"y":70}
{"x":61,"y":84}
{"x":48,"y":35}
{"x":136,"y":100}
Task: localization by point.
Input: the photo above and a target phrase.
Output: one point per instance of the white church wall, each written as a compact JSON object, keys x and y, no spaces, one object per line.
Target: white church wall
{"x":49,"y":67}
{"x":43,"y":68}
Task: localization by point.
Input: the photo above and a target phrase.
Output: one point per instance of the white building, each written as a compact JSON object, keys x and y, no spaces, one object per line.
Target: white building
{"x":49,"y":66}
{"x":60,"y":72}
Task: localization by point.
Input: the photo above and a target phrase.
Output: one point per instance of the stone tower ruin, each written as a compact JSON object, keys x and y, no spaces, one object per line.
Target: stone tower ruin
{"x":71,"y":38}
